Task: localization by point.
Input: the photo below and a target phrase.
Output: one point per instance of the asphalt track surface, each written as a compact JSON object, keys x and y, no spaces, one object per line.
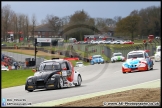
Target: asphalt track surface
{"x":96,"y":78}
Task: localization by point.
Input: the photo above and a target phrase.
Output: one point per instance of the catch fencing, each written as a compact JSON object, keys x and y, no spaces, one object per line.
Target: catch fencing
{"x":107,"y":51}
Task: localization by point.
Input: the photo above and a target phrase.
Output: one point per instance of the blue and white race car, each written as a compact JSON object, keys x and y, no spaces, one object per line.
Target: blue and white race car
{"x":97,"y":59}
{"x":137,"y":61}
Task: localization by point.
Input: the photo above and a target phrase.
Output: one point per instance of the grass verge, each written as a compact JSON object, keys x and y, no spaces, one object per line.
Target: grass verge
{"x":15,"y":77}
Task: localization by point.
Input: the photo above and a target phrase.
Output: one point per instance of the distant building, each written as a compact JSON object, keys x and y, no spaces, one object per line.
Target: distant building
{"x":44,"y":31}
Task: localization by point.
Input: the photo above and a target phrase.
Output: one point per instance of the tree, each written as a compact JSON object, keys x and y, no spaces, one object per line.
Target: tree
{"x":80,"y":24}
{"x":6,"y":15}
{"x":55,"y":23}
{"x":151,"y":21}
{"x":117,"y":18}
{"x":33,"y":24}
{"x":27,"y":27}
{"x":128,"y":25}
{"x":101,"y":24}
{"x":134,"y":12}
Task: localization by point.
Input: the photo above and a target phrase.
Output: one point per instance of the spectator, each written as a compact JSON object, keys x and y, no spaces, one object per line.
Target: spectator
{"x":16,"y":65}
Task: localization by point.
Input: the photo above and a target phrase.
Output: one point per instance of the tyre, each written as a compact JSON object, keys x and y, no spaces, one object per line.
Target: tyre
{"x":147,"y":68}
{"x":152,"y":66}
{"x":30,"y":90}
{"x":60,"y":83}
{"x":79,"y":80}
{"x":124,"y":72}
{"x":112,"y":61}
{"x":92,"y":63}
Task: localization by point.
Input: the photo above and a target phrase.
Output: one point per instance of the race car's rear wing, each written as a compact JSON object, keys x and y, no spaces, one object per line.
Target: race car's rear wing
{"x":71,"y":58}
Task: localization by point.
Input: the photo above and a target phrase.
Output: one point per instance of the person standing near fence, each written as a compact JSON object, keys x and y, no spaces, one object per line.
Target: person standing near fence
{"x":16,"y":65}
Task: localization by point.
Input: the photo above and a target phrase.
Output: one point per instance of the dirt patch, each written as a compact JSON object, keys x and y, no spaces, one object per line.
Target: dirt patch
{"x":134,"y":95}
{"x":31,"y":52}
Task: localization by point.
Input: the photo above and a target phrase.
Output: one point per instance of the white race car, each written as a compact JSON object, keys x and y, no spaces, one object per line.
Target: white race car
{"x":117,"y":57}
{"x":4,"y":68}
{"x":158,"y":54}
{"x":79,"y":64}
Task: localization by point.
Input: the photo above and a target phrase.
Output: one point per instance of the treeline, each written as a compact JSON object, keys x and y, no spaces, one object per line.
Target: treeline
{"x":138,"y":23}
{"x":141,"y":23}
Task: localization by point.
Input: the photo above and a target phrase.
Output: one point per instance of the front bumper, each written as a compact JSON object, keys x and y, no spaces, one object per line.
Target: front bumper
{"x":157,"y":58}
{"x":140,"y":68}
{"x":41,"y":85}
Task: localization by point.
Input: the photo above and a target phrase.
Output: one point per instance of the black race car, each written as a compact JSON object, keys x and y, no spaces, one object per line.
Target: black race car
{"x":53,"y":74}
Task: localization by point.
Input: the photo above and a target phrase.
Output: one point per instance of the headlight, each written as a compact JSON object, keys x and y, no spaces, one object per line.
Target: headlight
{"x":125,"y":65}
{"x":29,"y":80}
{"x":52,"y":78}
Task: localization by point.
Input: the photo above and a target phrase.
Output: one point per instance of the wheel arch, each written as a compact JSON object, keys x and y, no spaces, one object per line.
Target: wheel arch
{"x":76,"y":74}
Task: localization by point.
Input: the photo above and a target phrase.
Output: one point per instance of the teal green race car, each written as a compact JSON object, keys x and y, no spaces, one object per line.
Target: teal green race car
{"x":117,"y":57}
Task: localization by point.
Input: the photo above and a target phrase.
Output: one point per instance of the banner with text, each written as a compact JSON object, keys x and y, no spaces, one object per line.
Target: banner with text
{"x":44,"y":40}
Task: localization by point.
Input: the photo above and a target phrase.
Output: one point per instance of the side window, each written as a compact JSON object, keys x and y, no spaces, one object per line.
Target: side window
{"x":63,"y":65}
{"x":41,"y":67}
{"x":69,"y":66}
{"x":147,"y":55}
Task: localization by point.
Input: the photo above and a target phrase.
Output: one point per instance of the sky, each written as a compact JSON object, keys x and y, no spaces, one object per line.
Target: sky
{"x":97,"y":9}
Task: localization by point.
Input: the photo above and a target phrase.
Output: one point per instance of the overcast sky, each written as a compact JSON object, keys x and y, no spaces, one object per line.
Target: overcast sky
{"x":102,"y":9}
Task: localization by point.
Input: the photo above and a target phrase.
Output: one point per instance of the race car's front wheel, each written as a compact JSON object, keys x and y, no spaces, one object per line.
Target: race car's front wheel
{"x":92,"y":63}
{"x":113,"y":61}
{"x":152,"y":65}
{"x":30,"y":90}
{"x":147,"y":67}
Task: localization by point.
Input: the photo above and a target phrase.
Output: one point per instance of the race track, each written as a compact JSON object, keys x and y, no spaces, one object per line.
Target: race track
{"x":96,"y":78}
{"x":16,"y":56}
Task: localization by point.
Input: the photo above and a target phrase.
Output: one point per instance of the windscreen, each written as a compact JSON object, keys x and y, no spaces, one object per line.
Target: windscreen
{"x":136,"y":55}
{"x":159,"y":50}
{"x":117,"y":54}
{"x":49,"y":66}
{"x":96,"y":57}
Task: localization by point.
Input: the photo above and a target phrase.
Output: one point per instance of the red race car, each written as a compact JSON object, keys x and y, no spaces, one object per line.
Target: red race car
{"x":128,"y":42}
{"x":137,"y":61}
